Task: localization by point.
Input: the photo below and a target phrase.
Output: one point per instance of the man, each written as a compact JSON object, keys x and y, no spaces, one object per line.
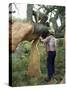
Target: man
{"x":50,"y":45}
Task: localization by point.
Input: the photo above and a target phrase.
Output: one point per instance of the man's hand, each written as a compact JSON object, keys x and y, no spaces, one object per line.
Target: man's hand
{"x":41,"y":39}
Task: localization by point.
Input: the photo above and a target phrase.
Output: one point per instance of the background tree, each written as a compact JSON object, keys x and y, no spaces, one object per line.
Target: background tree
{"x":29,"y":12}
{"x":52,"y":14}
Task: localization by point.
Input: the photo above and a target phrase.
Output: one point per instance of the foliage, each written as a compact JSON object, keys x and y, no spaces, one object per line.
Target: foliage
{"x":20,"y":58}
{"x":19,"y":65}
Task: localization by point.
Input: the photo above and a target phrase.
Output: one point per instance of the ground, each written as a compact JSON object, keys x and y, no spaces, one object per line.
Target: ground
{"x":20,"y":60}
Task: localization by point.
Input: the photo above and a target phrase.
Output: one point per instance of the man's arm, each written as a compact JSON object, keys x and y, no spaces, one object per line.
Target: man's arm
{"x":44,"y":40}
{"x":41,"y":39}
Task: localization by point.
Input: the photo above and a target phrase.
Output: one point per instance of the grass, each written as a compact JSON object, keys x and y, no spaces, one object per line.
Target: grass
{"x":20,"y":60}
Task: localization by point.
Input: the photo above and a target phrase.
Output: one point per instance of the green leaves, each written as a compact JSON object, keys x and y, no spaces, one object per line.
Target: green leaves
{"x":19,"y":66}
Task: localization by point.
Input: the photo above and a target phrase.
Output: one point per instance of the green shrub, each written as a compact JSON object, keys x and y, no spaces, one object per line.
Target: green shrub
{"x":60,"y":42}
{"x":19,"y":65}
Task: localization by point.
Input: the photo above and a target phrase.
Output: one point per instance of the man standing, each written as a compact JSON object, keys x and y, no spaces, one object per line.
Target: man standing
{"x":50,"y":45}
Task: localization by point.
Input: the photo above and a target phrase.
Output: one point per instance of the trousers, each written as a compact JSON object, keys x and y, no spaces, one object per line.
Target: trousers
{"x":51,"y":63}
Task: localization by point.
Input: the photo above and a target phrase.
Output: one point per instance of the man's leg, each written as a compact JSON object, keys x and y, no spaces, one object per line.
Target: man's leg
{"x":53,"y":62}
{"x":49,"y":65}
{"x":53,"y":66}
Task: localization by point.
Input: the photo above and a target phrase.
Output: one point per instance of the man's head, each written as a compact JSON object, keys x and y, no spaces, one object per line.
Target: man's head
{"x":44,"y":35}
{"x":47,"y":33}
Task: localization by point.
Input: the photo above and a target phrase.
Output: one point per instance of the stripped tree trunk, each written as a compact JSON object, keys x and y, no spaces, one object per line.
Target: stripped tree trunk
{"x":34,"y":61}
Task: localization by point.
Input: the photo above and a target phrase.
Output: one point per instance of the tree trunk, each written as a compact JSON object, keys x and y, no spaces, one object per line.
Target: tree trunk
{"x":34,"y":62}
{"x":29,"y":12}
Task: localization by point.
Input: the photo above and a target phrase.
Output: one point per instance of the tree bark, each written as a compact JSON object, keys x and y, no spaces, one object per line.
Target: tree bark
{"x":29,"y":12}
